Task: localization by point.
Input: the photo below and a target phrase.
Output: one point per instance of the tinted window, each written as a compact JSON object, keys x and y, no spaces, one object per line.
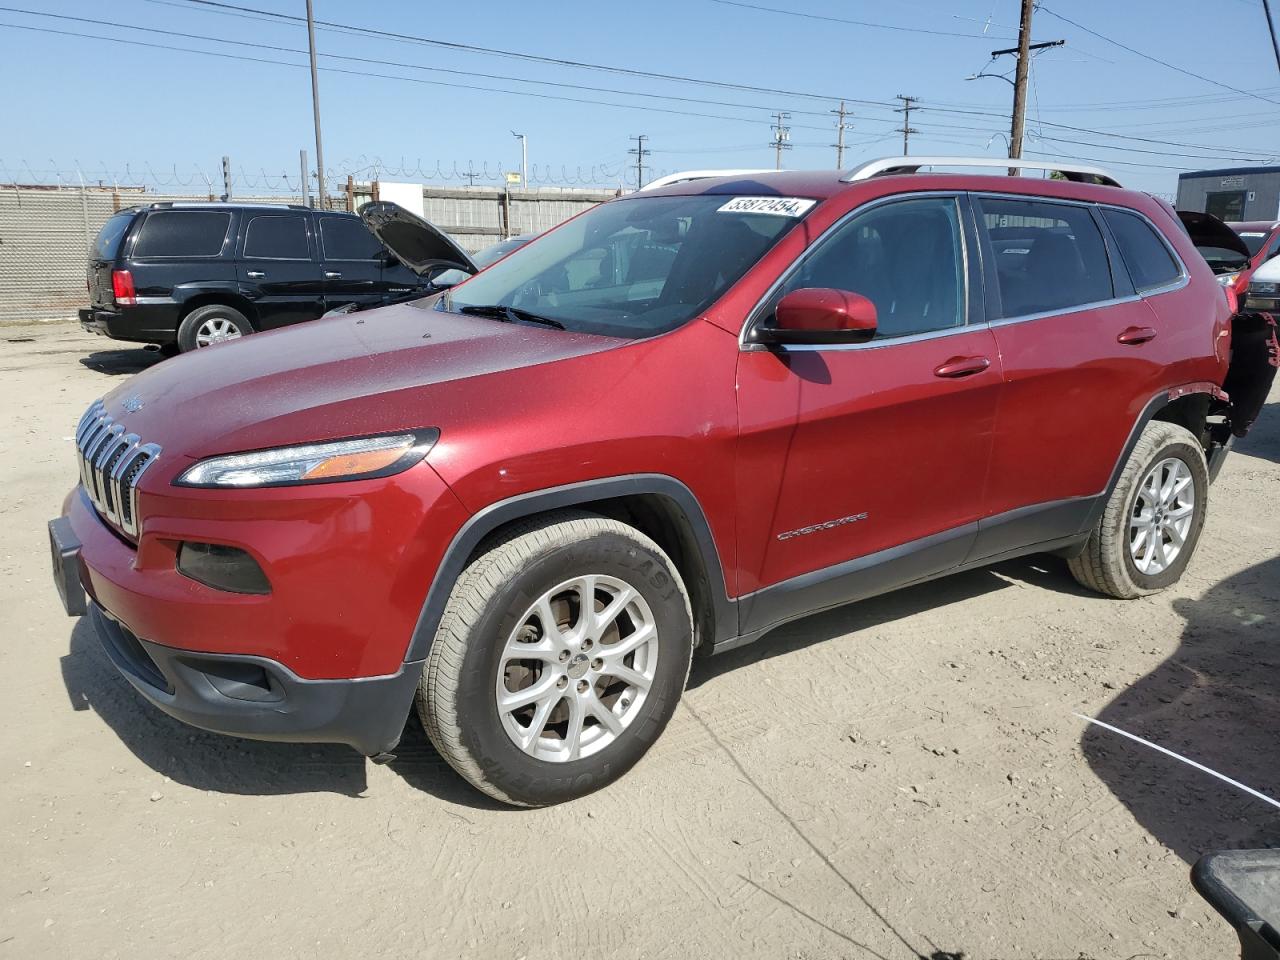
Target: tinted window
{"x":1145,"y":254}
{"x":277,"y":238}
{"x":906,"y":257}
{"x":108,"y":243}
{"x":346,"y":238}
{"x":1048,"y":256}
{"x":183,"y":233}
{"x":1253,"y":241}
{"x":634,"y":267}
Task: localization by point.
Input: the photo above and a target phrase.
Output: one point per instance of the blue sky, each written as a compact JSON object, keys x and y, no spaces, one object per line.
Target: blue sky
{"x":167,"y":115}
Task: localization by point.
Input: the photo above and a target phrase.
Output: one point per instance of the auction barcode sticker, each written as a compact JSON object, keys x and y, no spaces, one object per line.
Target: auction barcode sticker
{"x":776,"y":206}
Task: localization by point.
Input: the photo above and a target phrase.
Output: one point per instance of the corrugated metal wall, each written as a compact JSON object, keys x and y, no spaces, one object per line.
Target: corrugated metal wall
{"x":45,"y":233}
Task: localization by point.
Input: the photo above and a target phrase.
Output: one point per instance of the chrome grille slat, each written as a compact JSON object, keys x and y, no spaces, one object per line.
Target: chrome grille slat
{"x":111,"y":463}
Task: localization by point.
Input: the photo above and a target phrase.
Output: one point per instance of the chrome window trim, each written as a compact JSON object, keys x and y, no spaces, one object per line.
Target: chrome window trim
{"x":754,"y":316}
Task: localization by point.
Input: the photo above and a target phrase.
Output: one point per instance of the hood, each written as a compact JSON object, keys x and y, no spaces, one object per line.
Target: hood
{"x":421,"y":246}
{"x":396,"y":368}
{"x":1206,"y":230}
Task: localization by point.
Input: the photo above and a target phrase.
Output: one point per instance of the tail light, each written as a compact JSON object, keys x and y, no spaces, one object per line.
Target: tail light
{"x":122,"y":288}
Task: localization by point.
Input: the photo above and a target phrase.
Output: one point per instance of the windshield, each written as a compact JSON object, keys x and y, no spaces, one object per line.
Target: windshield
{"x":109,"y":237}
{"x":634,"y":267}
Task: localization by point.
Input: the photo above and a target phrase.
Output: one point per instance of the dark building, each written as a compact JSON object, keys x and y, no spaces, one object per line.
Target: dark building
{"x":1237,"y":193}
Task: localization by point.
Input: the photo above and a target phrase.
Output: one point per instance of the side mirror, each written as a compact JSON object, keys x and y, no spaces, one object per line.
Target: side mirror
{"x":820,"y":315}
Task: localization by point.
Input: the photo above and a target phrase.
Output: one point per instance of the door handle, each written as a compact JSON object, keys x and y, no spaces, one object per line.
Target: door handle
{"x":255,"y":274}
{"x":1136,"y":335}
{"x":961,"y":367}
{"x":332,"y":275}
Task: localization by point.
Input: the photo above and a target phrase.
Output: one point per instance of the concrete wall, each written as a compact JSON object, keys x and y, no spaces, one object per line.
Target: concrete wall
{"x":1261,"y":190}
{"x":45,"y":233}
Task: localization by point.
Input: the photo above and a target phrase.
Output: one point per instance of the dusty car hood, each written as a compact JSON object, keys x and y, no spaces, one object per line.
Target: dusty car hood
{"x":380,"y":370}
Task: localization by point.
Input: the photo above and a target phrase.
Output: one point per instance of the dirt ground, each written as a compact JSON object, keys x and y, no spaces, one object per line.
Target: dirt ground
{"x":900,"y":778}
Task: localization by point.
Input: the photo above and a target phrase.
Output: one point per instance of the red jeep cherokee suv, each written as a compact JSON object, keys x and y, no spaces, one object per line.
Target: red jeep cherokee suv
{"x":665,"y":427}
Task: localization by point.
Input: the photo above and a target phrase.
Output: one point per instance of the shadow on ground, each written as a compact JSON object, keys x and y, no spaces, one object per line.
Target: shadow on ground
{"x":211,"y":761}
{"x":1264,"y":439}
{"x":121,"y":363}
{"x":1215,"y":701}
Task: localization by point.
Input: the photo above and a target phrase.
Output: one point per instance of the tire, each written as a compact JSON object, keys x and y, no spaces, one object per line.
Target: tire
{"x":210,"y":324}
{"x":1125,"y":558}
{"x":493,"y":611}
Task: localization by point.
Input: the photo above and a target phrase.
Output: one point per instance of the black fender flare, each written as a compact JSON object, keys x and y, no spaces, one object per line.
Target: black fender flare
{"x":1153,"y":406}
{"x":484,"y":522}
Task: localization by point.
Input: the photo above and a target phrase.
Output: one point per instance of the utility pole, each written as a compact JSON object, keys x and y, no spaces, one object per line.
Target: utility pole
{"x":470,"y":175}
{"x":226,"y":179}
{"x":524,"y":158}
{"x":908,"y":104}
{"x":315,"y":106}
{"x":1021,"y":71}
{"x":640,"y":153}
{"x":781,"y":138}
{"x":841,"y":127}
{"x":306,"y":177}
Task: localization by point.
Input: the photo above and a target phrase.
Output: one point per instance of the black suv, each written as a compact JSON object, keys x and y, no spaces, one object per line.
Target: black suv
{"x":186,"y":275}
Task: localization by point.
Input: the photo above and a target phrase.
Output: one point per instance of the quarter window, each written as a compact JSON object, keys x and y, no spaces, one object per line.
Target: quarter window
{"x":1145,"y":254}
{"x":277,"y":238}
{"x":906,"y":257}
{"x":182,"y":233}
{"x":346,"y":238}
{"x":1048,"y":257}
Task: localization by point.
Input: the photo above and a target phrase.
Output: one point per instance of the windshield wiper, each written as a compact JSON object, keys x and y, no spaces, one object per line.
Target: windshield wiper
{"x":497,"y":311}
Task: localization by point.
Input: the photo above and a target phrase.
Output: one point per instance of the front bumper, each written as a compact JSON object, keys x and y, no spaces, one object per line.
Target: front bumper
{"x":255,"y":697}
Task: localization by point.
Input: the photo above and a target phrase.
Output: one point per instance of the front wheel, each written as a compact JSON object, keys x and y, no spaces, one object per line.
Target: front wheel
{"x":560,"y":658}
{"x":1152,"y":521}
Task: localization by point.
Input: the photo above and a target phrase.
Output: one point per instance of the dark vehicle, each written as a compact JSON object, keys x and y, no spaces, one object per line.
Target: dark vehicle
{"x":187,"y":275}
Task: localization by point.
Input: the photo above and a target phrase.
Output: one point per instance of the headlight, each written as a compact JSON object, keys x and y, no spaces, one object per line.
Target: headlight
{"x":1263,"y":289}
{"x":1227,"y":279}
{"x":356,"y":459}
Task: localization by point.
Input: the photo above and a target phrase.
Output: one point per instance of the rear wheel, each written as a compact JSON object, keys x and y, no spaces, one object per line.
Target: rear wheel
{"x":210,"y":324}
{"x":1153,"y":519}
{"x":560,"y":658}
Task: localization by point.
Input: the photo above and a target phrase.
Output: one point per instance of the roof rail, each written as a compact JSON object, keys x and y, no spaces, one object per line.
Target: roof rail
{"x":218,"y":204}
{"x":1080,"y":173}
{"x":698,"y":175}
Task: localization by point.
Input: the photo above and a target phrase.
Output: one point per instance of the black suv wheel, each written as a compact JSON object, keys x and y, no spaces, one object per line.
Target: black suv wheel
{"x":210,"y":324}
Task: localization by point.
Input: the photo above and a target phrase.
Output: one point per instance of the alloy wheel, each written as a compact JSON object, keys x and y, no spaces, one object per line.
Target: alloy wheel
{"x":1162,"y":514}
{"x":576,"y":670}
{"x":216,"y":330}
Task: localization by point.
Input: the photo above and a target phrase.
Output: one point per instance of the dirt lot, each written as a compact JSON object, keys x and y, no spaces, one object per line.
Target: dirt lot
{"x":900,"y":778}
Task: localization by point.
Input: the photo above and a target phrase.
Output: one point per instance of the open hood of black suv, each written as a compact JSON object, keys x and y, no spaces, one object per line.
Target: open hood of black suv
{"x":421,"y":246}
{"x":1206,"y":230}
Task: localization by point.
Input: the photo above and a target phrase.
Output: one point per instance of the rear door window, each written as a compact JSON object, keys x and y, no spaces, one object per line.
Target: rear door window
{"x":277,"y":237}
{"x":1148,"y":258}
{"x":1048,"y":257}
{"x":183,"y":233}
{"x":346,"y":238}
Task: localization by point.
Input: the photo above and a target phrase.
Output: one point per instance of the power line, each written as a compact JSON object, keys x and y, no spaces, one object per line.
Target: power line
{"x":535,"y":58}
{"x":857,"y":23}
{"x":1147,"y":56}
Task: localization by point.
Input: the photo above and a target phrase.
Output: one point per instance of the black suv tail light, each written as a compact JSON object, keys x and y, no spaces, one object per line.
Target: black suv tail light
{"x":122,"y":288}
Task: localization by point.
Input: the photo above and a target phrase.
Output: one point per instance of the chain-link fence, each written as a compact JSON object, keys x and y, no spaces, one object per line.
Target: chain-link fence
{"x":45,"y":232}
